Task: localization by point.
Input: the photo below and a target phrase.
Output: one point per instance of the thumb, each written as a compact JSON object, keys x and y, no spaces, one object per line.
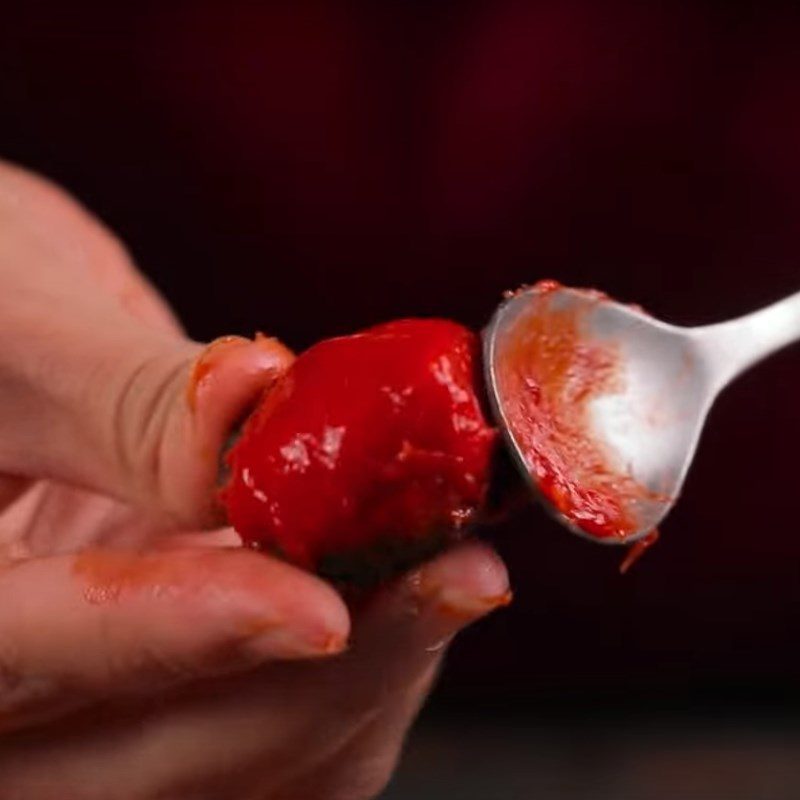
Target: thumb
{"x":136,"y":413}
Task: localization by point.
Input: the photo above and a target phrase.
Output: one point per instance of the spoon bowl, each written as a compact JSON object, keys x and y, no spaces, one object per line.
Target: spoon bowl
{"x":647,"y":421}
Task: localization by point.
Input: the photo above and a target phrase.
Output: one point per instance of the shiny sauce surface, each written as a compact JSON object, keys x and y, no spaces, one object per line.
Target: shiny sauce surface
{"x":374,"y":439}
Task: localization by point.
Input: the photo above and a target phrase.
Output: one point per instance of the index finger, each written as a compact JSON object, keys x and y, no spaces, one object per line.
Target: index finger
{"x":75,"y":629}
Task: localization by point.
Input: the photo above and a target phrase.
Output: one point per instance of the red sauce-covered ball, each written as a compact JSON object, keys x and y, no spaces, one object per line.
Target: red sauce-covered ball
{"x":370,"y":453}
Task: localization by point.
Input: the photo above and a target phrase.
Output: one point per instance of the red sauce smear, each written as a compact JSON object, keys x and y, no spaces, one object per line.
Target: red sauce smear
{"x":207,"y":363}
{"x":208,"y":375}
{"x":637,"y":550}
{"x":109,"y":575}
{"x":548,"y":375}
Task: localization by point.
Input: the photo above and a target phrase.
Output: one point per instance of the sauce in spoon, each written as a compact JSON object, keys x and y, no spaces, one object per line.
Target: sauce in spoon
{"x":550,"y":374}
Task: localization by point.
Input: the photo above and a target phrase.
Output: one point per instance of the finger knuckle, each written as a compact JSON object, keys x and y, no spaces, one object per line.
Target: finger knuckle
{"x":142,"y":403}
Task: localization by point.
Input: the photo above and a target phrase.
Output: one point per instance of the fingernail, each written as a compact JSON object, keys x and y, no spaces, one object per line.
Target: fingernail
{"x":280,"y":642}
{"x":466,"y":584}
{"x":465,"y":606}
{"x":334,"y":643}
{"x":453,"y":601}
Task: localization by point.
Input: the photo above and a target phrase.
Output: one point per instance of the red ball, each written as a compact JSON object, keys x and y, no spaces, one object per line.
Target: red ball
{"x":370,"y":454}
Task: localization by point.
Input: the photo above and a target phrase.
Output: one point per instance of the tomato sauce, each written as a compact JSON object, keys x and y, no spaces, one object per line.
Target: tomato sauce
{"x":548,"y":375}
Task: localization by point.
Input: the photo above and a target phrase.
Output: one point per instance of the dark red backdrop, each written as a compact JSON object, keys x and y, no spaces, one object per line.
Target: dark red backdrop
{"x":308,"y":168}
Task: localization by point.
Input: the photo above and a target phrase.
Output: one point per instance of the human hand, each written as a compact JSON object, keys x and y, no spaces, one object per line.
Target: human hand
{"x":139,"y":656}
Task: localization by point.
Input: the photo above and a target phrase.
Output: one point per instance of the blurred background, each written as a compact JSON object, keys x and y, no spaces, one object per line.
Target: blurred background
{"x":309,"y":168}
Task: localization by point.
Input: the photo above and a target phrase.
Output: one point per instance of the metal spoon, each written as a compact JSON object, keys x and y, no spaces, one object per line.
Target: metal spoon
{"x":670,"y":377}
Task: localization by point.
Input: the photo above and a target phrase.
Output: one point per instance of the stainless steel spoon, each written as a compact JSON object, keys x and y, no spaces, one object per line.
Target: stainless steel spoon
{"x":670,"y":377}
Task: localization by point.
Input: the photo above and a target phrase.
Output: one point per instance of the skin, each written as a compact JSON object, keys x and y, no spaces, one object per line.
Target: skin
{"x":142,"y":654}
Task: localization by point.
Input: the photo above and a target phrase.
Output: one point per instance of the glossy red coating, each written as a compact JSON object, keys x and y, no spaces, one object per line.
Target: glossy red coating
{"x":548,"y":375}
{"x":373,"y":443}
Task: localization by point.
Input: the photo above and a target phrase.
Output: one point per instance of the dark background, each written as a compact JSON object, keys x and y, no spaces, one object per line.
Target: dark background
{"x":309,"y":168}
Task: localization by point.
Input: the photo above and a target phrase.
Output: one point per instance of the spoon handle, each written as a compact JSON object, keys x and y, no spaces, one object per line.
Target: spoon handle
{"x":729,"y":348}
